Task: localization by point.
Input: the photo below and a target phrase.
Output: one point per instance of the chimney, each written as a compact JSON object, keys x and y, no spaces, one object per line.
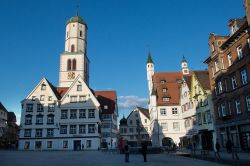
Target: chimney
{"x":247,"y":9}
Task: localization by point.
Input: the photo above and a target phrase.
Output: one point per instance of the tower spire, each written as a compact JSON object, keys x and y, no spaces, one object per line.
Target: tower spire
{"x":77,"y":7}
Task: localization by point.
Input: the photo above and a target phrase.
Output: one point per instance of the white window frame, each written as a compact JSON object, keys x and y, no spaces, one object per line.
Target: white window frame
{"x":244,"y":76}
{"x":163,"y":111}
{"x":216,"y":65}
{"x":73,"y":99}
{"x":239,"y":52}
{"x":248,"y":102}
{"x":164,"y":126}
{"x":237,"y":106}
{"x":234,"y":82}
{"x":230,"y":59}
{"x":176,"y":126}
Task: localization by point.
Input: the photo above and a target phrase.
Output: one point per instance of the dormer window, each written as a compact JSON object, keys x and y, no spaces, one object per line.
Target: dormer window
{"x":165,"y":99}
{"x":163,"y":81}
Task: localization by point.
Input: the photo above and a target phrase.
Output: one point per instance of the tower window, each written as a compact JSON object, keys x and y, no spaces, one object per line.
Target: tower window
{"x":74,"y":64}
{"x":80,"y":33}
{"x":69,"y":64}
{"x":72,"y":48}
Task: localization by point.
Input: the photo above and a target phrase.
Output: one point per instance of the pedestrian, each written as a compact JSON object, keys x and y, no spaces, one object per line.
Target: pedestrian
{"x":144,"y":150}
{"x":217,"y":150}
{"x":126,"y":149}
{"x":232,"y":149}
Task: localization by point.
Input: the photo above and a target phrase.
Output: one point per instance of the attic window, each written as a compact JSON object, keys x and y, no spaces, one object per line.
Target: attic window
{"x":43,"y":87}
{"x":79,"y":87}
{"x":163,"y":81}
{"x":165,"y":99}
{"x":105,"y":107}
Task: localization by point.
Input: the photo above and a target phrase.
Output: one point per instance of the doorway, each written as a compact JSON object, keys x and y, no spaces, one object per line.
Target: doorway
{"x":77,"y":145}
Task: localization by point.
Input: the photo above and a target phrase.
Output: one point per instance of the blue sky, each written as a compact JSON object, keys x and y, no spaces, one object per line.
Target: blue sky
{"x":119,"y":36}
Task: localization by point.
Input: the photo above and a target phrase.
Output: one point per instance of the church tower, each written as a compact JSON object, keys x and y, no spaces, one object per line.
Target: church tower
{"x":74,"y":61}
{"x":150,"y":72}
{"x":184,"y":66}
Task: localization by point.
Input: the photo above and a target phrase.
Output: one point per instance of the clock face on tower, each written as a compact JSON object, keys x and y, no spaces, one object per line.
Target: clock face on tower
{"x":71,"y":75}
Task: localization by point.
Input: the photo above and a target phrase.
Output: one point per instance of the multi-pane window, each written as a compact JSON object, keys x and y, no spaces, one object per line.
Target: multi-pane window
{"x":234,"y":82}
{"x":28,"y":119}
{"x":219,"y":87}
{"x":39,"y":119}
{"x":223,"y":109}
{"x":248,"y":102}
{"x":39,"y":107}
{"x":222,"y":63}
{"x":82,"y":113}
{"x":50,"y":132}
{"x":82,"y":99}
{"x":209,"y":118}
{"x":72,"y":129}
{"x":131,"y":130}
{"x":73,"y":99}
{"x":164,"y":90}
{"x":73,"y":114}
{"x":50,"y":119}
{"x":91,"y":128}
{"x":244,"y":76}
{"x":64,"y":114}
{"x":63,"y":129}
{"x":237,"y":106}
{"x":164,"y":126}
{"x":50,"y":98}
{"x":27,"y":133}
{"x":79,"y":88}
{"x":230,"y":59}
{"x":33,"y":98}
{"x":216,"y":65}
{"x":82,"y":129}
{"x":176,"y":126}
{"x":29,"y":107}
{"x":91,"y":113}
{"x":39,"y":132}
{"x":42,"y":97}
{"x":49,"y":144}
{"x":174,"y":111}
{"x":163,"y":111}
{"x":51,"y":107}
{"x":239,"y":52}
{"x":27,"y":145}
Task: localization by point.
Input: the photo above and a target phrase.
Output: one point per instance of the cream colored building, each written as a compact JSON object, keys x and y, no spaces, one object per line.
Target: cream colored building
{"x":67,"y":117}
{"x":136,"y":127}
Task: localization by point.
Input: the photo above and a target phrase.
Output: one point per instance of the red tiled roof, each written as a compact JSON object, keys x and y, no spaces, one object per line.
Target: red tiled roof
{"x":107,"y":98}
{"x":61,"y":91}
{"x":172,"y":84}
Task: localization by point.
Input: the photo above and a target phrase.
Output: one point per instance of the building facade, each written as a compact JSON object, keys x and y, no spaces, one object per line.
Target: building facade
{"x":136,"y":127}
{"x":229,"y":72}
{"x":67,"y":117}
{"x":166,"y":122}
{"x":3,"y":119}
{"x":109,"y":128}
